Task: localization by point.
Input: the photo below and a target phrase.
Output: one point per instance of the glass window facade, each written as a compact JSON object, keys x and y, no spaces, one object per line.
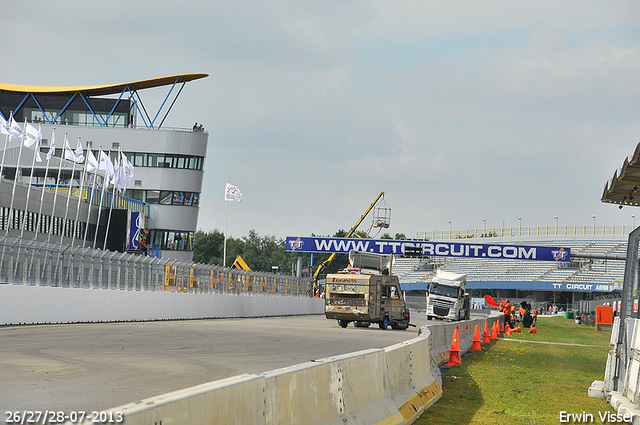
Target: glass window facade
{"x":164,"y":197}
{"x":172,"y":240}
{"x":164,"y":160}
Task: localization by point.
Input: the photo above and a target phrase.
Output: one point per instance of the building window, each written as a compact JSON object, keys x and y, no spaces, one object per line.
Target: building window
{"x":166,"y":197}
{"x":153,"y":197}
{"x":159,"y":160}
{"x":172,"y":240}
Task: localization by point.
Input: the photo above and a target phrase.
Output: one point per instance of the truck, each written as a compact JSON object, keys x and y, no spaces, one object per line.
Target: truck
{"x":447,"y":297}
{"x":365,"y":293}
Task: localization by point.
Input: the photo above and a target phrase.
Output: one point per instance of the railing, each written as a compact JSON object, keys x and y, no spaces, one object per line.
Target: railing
{"x":500,"y":232}
{"x":41,"y":264}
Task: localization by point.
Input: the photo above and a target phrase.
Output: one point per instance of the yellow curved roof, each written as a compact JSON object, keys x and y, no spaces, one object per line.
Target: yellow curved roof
{"x":103,"y":90}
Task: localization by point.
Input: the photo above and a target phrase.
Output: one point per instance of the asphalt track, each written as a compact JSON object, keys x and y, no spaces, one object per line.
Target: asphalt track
{"x":96,"y":366}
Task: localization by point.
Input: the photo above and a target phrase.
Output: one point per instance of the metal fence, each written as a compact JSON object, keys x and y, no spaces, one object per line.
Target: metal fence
{"x":47,"y":264}
{"x":502,"y":232}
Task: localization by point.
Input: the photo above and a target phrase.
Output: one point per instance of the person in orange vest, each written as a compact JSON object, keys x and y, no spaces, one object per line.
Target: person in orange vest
{"x":507,"y":312}
{"x":535,"y":316}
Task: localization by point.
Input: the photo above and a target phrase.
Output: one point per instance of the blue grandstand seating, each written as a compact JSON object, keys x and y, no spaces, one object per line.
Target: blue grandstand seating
{"x":412,"y":270}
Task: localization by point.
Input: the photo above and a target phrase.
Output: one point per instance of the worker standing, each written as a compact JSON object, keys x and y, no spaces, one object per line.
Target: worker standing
{"x":507,"y":313}
{"x":535,"y":316}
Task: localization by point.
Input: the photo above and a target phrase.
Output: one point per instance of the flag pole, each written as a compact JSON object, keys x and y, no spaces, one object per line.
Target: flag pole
{"x":113,"y":196}
{"x":75,"y":223}
{"x":33,"y":164}
{"x":224,"y":251}
{"x":44,"y":184}
{"x":4,"y":154}
{"x":15,"y":178}
{"x":93,"y":187}
{"x":44,"y":188}
{"x":55,"y":195}
{"x":66,"y":208}
{"x":105,"y":182}
{"x":4,"y":151}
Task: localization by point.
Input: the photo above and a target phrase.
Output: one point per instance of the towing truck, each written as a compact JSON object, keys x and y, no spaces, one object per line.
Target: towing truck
{"x":447,"y":297}
{"x":366,"y":293}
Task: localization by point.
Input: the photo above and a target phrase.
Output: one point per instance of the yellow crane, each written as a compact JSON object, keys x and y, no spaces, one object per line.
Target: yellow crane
{"x":382,"y":223}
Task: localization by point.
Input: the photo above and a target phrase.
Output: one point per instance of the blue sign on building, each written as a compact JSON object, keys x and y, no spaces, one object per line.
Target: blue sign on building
{"x":428,"y":248}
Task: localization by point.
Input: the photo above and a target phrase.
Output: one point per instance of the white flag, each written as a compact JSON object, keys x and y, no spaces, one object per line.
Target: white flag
{"x":52,"y":149}
{"x":3,"y":126}
{"x":38,"y":157}
{"x":68,"y":153}
{"x":79,"y":153}
{"x":32,"y":135}
{"x":115,"y":181}
{"x":127,"y":167}
{"x":106,"y":164}
{"x":15,"y":131}
{"x":92,"y":162}
{"x":232,"y":193}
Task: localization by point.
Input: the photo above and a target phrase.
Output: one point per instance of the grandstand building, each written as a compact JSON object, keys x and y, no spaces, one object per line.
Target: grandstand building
{"x":597,"y":265}
{"x":168,"y":163}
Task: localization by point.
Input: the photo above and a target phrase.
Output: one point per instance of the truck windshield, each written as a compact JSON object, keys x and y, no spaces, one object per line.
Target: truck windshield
{"x":356,"y":300}
{"x":447,"y":291}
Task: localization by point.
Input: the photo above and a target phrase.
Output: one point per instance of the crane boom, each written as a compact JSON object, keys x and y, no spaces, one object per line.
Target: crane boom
{"x":349,"y":233}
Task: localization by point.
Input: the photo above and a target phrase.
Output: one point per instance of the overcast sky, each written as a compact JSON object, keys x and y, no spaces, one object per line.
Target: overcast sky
{"x":463,"y":111}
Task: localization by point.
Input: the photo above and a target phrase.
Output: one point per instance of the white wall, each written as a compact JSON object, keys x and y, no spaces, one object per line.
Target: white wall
{"x":21,"y":304}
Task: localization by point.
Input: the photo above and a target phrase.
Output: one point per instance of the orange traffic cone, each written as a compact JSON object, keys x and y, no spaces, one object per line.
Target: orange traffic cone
{"x":486,"y":334}
{"x":454,"y":353}
{"x":477,"y":342}
{"x":494,"y":333}
{"x":532,"y":330}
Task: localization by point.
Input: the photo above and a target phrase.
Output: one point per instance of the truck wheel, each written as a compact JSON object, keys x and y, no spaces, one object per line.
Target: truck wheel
{"x":384,"y":324}
{"x":429,"y":317}
{"x":343,"y":323}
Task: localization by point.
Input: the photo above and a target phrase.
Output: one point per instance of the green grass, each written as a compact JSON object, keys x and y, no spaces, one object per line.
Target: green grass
{"x":519,"y":381}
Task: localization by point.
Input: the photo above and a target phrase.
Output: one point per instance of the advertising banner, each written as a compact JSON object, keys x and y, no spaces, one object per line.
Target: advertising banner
{"x":135,"y":226}
{"x":428,"y":248}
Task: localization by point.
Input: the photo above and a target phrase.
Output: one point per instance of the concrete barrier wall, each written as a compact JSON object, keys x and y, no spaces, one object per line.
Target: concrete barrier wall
{"x":379,"y":386}
{"x":21,"y":304}
{"x":413,"y":385}
{"x":622,"y":374}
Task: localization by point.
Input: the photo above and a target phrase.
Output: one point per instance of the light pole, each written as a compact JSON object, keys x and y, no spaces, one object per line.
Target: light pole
{"x":449,"y":229}
{"x":484,"y":220}
{"x":594,"y":224}
{"x":634,"y":222}
{"x":520,"y":226}
{"x":556,"y":225}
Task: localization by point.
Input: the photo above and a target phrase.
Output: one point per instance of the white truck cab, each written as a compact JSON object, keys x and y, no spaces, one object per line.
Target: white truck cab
{"x":447,"y":297}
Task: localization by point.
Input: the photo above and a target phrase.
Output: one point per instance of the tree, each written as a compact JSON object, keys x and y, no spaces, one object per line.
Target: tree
{"x":207,"y":247}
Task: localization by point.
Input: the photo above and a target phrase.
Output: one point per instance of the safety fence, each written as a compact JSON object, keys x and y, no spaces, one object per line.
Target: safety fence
{"x":621,"y":385}
{"x":502,"y":232}
{"x":58,"y":265}
{"x":586,"y":309}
